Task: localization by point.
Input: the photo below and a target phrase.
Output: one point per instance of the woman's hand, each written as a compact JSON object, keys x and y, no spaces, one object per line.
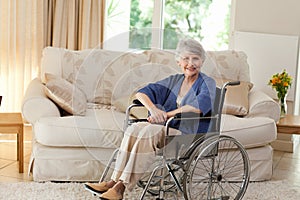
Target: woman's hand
{"x":157,"y":116}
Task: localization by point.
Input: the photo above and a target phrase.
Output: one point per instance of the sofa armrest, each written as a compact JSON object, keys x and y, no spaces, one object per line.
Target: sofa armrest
{"x":260,"y":104}
{"x":36,"y":104}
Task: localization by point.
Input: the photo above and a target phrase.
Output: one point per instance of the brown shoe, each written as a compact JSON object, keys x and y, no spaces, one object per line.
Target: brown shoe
{"x":111,"y":194}
{"x":96,"y":188}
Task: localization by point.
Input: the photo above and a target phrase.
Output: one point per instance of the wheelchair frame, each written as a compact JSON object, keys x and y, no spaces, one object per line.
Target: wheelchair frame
{"x":203,"y":172}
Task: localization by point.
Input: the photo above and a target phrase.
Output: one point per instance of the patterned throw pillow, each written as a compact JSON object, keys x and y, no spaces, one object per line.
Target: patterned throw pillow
{"x":66,"y":95}
{"x":236,"y":98}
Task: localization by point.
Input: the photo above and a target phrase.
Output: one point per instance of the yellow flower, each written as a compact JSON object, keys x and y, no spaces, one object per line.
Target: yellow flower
{"x":281,"y":83}
{"x":274,"y":81}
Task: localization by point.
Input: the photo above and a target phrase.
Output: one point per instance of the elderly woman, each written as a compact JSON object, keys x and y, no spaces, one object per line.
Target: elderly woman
{"x":191,"y":91}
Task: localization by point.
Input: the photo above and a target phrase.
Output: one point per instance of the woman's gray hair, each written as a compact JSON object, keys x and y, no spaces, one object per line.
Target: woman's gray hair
{"x":191,"y":46}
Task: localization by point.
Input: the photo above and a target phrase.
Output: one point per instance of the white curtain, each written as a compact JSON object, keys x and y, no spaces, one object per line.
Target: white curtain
{"x":21,"y":42}
{"x":27,"y":26}
{"x":74,"y":24}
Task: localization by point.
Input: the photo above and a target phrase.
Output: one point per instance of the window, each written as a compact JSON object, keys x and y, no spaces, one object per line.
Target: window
{"x":205,"y":20}
{"x":141,"y":12}
{"x":161,"y":23}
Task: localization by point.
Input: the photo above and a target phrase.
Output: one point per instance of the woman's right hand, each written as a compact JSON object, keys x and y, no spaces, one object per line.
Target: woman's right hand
{"x":157,"y":116}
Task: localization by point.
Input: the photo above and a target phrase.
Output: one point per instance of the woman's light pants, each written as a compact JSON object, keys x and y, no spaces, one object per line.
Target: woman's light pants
{"x":137,"y":151}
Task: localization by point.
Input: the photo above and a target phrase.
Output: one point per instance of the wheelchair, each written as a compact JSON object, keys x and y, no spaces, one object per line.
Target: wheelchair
{"x":195,"y":166}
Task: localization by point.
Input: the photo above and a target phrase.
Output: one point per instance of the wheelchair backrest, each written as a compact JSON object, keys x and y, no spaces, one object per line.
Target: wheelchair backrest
{"x":215,"y":115}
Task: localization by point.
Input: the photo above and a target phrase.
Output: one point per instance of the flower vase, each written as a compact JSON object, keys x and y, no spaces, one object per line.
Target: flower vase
{"x":283,"y":106}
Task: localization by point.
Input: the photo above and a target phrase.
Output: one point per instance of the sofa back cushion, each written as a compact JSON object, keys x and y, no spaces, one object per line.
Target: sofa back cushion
{"x":61,"y":62}
{"x":227,"y":64}
{"x":100,"y":73}
{"x":89,"y":76}
{"x":83,"y":68}
{"x":108,"y":76}
{"x":160,"y":64}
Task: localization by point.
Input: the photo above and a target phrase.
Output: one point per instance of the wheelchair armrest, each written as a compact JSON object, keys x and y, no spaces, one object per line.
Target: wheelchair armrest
{"x":187,"y":115}
{"x":135,"y":103}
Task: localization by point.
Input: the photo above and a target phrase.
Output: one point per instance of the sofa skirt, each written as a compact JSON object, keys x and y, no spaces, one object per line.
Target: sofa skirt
{"x":68,"y":164}
{"x":87,"y":164}
{"x":261,"y":163}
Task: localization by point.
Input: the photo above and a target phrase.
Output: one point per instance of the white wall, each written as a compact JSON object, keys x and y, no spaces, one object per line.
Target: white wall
{"x":268,"y":54}
{"x":268,"y":16}
{"x":279,"y":17}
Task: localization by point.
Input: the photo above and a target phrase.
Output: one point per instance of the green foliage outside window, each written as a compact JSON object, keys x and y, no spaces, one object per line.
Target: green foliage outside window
{"x":140,"y":27}
{"x":182,"y":18}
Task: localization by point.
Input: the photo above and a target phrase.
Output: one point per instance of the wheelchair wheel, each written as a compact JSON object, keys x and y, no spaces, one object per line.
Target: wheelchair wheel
{"x":219,"y":168}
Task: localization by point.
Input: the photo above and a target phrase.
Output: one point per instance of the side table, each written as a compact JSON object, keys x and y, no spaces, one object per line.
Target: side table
{"x":12,"y":123}
{"x":286,"y":127}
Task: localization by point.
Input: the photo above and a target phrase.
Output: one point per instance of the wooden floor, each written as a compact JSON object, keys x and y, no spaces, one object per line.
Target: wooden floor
{"x":286,"y":165}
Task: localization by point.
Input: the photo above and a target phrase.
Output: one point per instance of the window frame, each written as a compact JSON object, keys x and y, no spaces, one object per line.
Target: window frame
{"x":157,"y":24}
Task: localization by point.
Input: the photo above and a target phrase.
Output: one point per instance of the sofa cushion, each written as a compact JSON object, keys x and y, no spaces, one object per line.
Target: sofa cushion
{"x":251,"y":132}
{"x":160,"y":64}
{"x":129,"y":83}
{"x":227,"y":64}
{"x":88,"y":77}
{"x":83,"y":68}
{"x":62,"y":62}
{"x":237,"y":97}
{"x":114,"y":73}
{"x":163,"y":57}
{"x":98,"y":128}
{"x":66,"y":95}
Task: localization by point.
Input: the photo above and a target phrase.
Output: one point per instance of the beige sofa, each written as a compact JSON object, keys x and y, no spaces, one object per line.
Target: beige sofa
{"x":96,"y":86}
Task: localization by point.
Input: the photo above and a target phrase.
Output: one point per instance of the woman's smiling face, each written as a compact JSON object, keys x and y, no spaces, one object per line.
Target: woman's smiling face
{"x":190,"y":63}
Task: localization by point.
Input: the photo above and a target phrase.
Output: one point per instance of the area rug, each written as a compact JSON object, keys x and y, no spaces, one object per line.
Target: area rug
{"x":270,"y":190}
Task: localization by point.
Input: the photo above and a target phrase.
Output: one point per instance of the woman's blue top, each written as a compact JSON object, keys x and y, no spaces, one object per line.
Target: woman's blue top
{"x":202,"y":94}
